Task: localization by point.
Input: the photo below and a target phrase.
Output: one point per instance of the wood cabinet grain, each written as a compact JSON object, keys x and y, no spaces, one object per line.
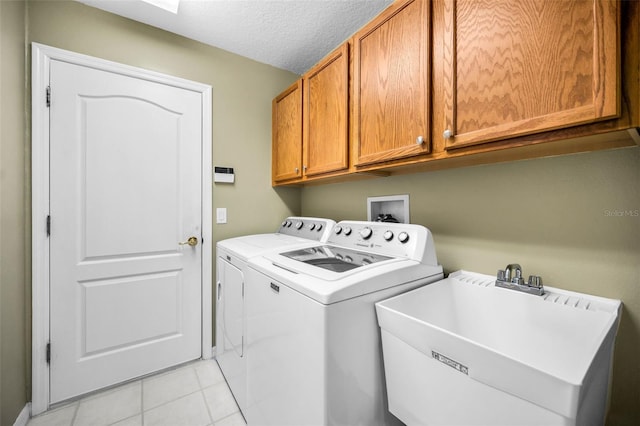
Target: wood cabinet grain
{"x":513,"y":68}
{"x":326,"y":113}
{"x":286,"y":150}
{"x":507,"y":80}
{"x":391,"y":84}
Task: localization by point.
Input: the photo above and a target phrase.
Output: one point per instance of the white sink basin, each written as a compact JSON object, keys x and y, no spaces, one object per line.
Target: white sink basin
{"x":548,"y":350}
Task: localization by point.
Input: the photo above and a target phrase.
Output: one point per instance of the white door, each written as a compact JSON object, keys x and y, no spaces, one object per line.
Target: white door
{"x":125,"y":190}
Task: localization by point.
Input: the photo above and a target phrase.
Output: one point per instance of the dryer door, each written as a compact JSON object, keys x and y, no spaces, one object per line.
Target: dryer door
{"x":231,"y":302}
{"x":230,"y":326}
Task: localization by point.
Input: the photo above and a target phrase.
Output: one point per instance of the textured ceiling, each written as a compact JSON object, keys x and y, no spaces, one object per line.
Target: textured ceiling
{"x":288,"y":34}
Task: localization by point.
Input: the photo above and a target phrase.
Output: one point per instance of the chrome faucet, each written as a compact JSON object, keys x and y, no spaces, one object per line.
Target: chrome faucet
{"x":511,"y":278}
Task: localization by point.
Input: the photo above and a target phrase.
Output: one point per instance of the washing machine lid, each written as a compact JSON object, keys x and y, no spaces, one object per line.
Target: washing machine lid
{"x":322,"y":262}
{"x":335,"y":259}
{"x":328,"y":287}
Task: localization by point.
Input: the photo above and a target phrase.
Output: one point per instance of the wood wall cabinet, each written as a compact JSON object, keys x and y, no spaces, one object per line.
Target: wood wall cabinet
{"x":286,"y":121}
{"x":326,"y":115}
{"x":513,"y":68}
{"x":435,"y":84}
{"x":391,"y":84}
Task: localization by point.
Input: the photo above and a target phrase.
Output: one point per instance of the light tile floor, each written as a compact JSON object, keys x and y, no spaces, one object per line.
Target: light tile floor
{"x":194,"y":394}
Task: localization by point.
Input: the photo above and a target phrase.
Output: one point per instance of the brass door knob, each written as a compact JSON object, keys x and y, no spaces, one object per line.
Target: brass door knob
{"x":192,"y":241}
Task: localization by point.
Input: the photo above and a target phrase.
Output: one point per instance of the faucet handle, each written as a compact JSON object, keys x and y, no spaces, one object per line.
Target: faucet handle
{"x":500,"y":276}
{"x":534,"y":281}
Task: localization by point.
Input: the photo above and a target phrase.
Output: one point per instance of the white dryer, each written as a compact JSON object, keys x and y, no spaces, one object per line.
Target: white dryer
{"x":232,"y":255}
{"x":313,"y":344}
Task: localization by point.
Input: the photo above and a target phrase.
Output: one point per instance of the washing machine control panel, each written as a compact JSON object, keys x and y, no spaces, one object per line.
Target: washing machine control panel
{"x":311,"y":228}
{"x":390,"y":239}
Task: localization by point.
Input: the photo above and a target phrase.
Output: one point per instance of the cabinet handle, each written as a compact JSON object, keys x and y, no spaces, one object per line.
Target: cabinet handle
{"x":419,"y":140}
{"x":297,"y":170}
{"x":304,"y":168}
{"x":447,"y":134}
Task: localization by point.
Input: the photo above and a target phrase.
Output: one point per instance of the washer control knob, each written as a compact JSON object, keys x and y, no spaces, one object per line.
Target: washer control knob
{"x":403,"y":237}
{"x":366,"y":233}
{"x":299,"y":225}
{"x":388,"y":235}
{"x":347,"y":231}
{"x":337,"y":230}
{"x":319,"y":227}
{"x":312,"y":226}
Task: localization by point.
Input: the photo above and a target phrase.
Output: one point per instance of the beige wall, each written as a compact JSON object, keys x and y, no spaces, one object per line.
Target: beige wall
{"x":553,"y":216}
{"x":242,"y":93}
{"x":13,"y":181}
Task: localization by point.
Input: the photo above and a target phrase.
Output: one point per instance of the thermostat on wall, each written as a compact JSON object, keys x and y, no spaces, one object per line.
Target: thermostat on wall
{"x":223,"y":174}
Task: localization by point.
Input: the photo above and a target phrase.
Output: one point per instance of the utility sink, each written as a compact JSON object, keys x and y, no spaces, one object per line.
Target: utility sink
{"x":465,"y":351}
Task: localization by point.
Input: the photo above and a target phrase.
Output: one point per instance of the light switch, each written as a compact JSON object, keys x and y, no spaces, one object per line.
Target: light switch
{"x":221,"y":215}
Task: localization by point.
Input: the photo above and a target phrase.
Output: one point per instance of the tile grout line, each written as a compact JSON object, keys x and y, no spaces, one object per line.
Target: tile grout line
{"x":75,"y":413}
{"x":204,"y":398}
{"x":142,"y":402}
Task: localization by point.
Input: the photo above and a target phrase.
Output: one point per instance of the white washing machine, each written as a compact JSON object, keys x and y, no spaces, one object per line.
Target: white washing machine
{"x":232,"y":256}
{"x":313,"y":344}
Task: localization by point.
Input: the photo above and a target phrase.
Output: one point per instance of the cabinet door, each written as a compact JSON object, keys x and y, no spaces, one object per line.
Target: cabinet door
{"x":287,"y":134}
{"x":520,"y":67}
{"x":391,"y":68}
{"x":326,"y":97}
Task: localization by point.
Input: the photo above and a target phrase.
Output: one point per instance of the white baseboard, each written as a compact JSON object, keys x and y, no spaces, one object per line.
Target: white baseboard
{"x":23,"y":417}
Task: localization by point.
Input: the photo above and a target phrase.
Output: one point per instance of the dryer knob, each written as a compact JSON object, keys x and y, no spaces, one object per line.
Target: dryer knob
{"x":366,"y":233}
{"x":299,"y":225}
{"x":337,"y":230}
{"x":403,"y":237}
{"x":347,"y":231}
{"x":319,"y":227}
{"x":312,"y":226}
{"x":388,"y":235}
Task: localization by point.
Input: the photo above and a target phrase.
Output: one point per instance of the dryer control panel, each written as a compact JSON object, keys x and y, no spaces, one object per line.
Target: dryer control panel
{"x":311,"y":228}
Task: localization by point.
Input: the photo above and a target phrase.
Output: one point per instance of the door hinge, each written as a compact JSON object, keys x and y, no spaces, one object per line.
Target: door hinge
{"x":48,"y":225}
{"x":48,"y":352}
{"x":48,"y":96}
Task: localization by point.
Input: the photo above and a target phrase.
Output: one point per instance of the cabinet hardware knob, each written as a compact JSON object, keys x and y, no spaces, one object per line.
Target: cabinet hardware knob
{"x":297,"y":170}
{"x":447,"y":134}
{"x":304,"y":168}
{"x":419,"y":140}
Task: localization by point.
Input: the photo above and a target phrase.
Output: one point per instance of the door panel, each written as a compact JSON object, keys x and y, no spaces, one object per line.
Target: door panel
{"x":125,"y":179}
{"x":101,"y":331}
{"x":392,"y":88}
{"x":326,"y":114}
{"x":286,"y":131}
{"x":114,"y":157}
{"x":518,"y":68}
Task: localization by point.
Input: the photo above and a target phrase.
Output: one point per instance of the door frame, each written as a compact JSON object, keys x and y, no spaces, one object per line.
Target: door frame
{"x":41,"y":56}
